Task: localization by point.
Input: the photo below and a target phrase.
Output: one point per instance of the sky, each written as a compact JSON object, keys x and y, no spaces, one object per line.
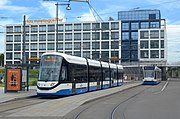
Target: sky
{"x":12,"y":12}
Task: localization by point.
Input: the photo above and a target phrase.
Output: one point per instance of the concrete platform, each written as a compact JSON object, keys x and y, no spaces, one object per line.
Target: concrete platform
{"x":4,"y":97}
{"x":61,"y":106}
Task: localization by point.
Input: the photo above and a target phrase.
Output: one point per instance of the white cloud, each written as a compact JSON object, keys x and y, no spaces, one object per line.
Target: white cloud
{"x":51,"y":9}
{"x":173,"y":43}
{"x":87,"y":17}
{"x":5,"y":5}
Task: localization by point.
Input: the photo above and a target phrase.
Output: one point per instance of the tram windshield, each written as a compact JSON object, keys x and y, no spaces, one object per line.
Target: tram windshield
{"x":50,"y":68}
{"x":149,"y":73}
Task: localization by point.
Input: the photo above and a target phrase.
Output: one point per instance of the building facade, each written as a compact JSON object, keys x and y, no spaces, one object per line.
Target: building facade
{"x":95,"y":40}
{"x":138,"y":36}
{"x":135,"y":24}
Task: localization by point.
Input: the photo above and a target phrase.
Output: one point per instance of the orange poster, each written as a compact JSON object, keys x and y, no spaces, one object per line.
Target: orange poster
{"x":13,"y":81}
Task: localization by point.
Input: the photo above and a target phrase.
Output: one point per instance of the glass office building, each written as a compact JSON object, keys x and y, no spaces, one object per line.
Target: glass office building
{"x":132,"y":22}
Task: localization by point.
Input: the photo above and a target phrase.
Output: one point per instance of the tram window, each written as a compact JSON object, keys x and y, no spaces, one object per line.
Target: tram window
{"x":64,"y":73}
{"x":78,"y":73}
{"x":95,"y":73}
{"x":106,"y":74}
{"x":113,"y":74}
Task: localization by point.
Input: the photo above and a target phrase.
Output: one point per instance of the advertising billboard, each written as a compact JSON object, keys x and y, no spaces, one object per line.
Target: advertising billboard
{"x":13,"y":79}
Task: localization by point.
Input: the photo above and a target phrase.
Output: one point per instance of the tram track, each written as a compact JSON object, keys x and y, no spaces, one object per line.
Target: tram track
{"x":83,"y":109}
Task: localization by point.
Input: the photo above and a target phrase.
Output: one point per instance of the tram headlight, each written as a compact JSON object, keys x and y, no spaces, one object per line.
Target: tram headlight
{"x":52,"y":84}
{"x":39,"y":84}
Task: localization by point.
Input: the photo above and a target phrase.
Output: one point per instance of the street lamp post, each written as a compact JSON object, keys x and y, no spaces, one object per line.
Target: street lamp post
{"x":67,"y":8}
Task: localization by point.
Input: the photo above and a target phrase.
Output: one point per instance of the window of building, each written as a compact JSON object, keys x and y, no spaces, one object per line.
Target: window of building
{"x":134,"y":45}
{"x":162,"y":33}
{"x":95,"y":55}
{"x":77,"y":53}
{"x":27,"y":29}
{"x":154,"y":53}
{"x":162,"y":43}
{"x":144,"y":35}
{"x":17,"y":47}
{"x":60,"y":36}
{"x":77,"y":46}
{"x":115,"y":55}
{"x":144,"y":54}
{"x":134,"y":55}
{"x":134,"y":26}
{"x":154,"y":25}
{"x":34,"y":37}
{"x":115,"y":26}
{"x":154,"y":34}
{"x":27,"y":38}
{"x":60,"y":27}
{"x":42,"y":28}
{"x":152,"y":16}
{"x":154,"y":44}
{"x":86,"y":54}
{"x":68,"y":52}
{"x":51,"y":28}
{"x":51,"y":37}
{"x":144,"y":44}
{"x":68,"y":37}
{"x":9,"y":38}
{"x":86,"y":45}
{"x":77,"y":36}
{"x":105,"y":26}
{"x":125,"y":55}
{"x":114,"y":44}
{"x":105,"y":56}
{"x":68,"y":27}
{"x":144,"y":25}
{"x":86,"y":26}
{"x":68,"y":46}
{"x":114,"y":35}
{"x":77,"y":27}
{"x":9,"y":56}
{"x":95,"y":26}
{"x":9,"y":29}
{"x":125,"y":35}
{"x":17,"y":55}
{"x":17,"y":38}
{"x":42,"y":37}
{"x":9,"y":47}
{"x":125,"y":46}
{"x":95,"y":36}
{"x":105,"y":36}
{"x":34,"y":28}
{"x":17,"y":29}
{"x":105,"y":45}
{"x":125,"y":26}
{"x":86,"y":36}
{"x":50,"y":46}
{"x":27,"y":46}
{"x":33,"y":46}
{"x":134,"y":35}
{"x":162,"y":53}
{"x":42,"y":46}
{"x":60,"y":46}
{"x":95,"y":45}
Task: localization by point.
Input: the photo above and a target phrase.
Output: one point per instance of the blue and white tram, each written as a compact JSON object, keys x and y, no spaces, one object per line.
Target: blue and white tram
{"x":62,"y":74}
{"x":152,"y":75}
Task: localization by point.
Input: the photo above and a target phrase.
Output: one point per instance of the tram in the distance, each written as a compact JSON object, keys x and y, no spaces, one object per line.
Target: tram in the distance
{"x":152,"y":75}
{"x":62,"y":74}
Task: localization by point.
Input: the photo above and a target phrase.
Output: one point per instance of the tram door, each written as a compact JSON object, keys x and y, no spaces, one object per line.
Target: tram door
{"x":73,"y":83}
{"x":98,"y":75}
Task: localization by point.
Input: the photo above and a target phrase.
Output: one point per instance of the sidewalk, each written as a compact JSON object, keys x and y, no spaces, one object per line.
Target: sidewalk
{"x":4,"y":97}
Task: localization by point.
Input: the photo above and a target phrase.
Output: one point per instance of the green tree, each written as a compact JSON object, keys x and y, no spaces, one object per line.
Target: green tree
{"x":1,"y":59}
